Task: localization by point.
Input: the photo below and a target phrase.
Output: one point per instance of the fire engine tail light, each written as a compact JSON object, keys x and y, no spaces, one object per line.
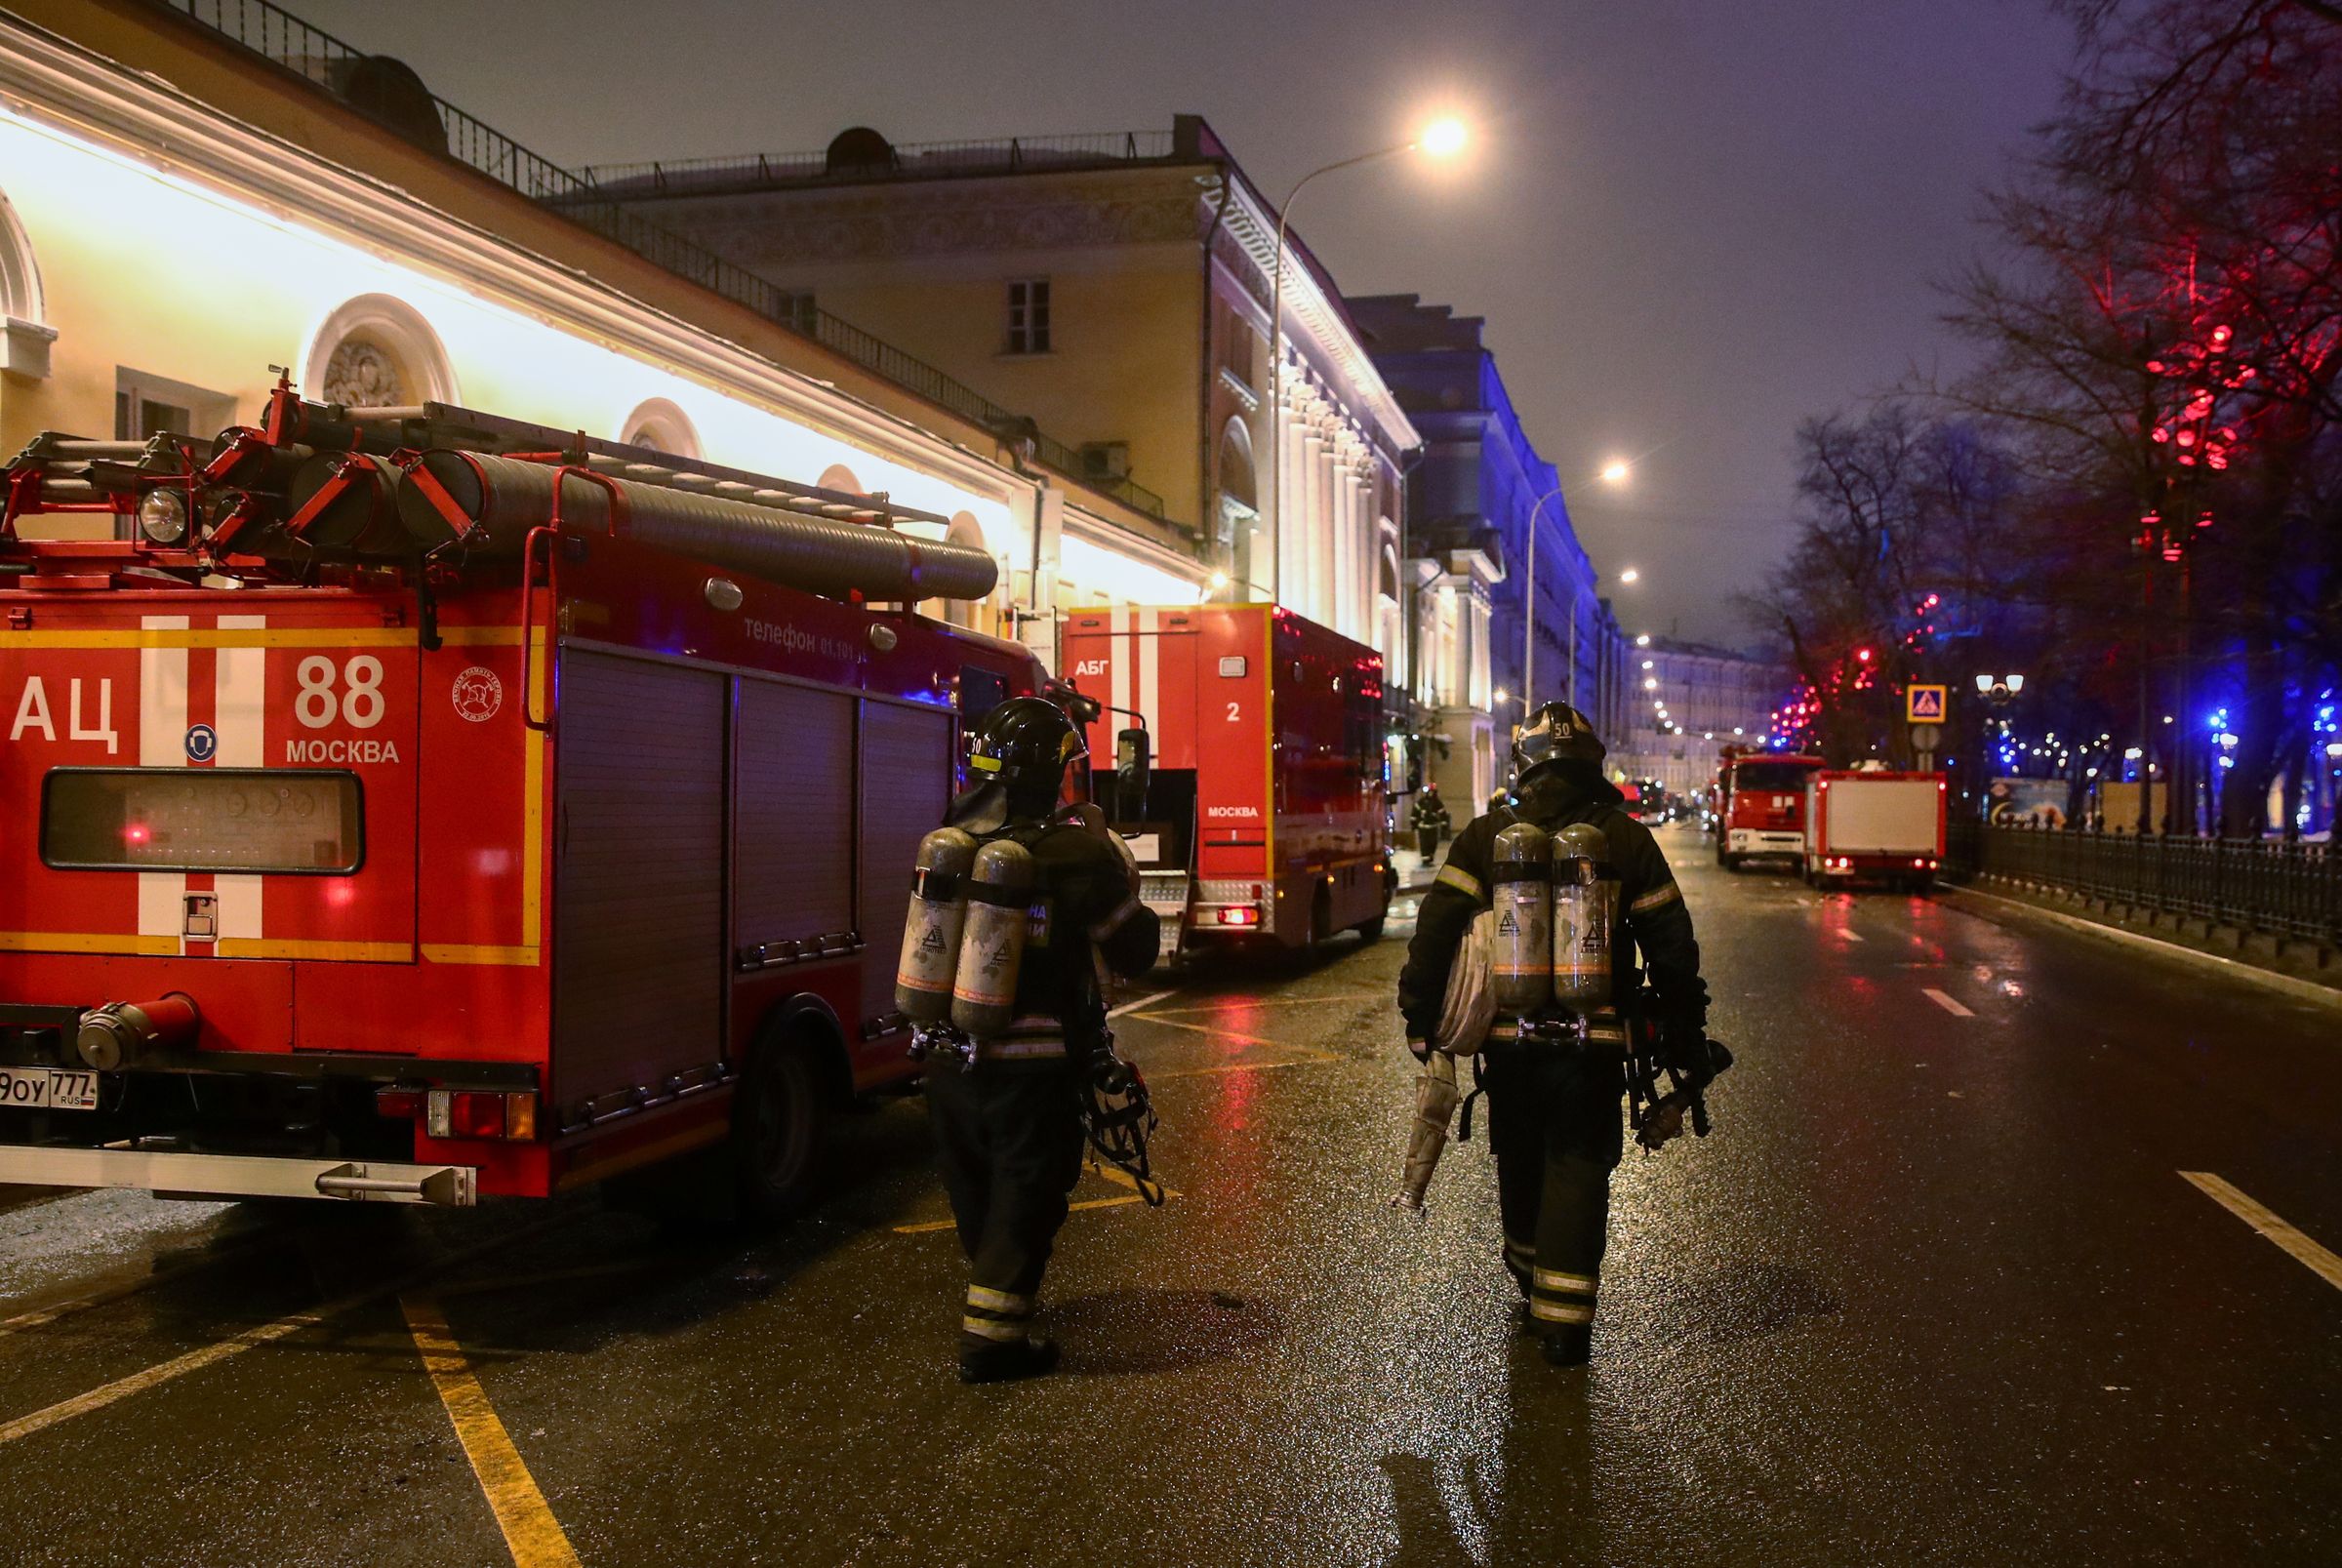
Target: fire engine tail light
{"x":395,"y":1103}
{"x":1239,"y":916}
{"x":480,"y":1113}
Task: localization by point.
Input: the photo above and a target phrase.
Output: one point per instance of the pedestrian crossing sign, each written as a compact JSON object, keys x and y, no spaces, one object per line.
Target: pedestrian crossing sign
{"x":1924,"y":704}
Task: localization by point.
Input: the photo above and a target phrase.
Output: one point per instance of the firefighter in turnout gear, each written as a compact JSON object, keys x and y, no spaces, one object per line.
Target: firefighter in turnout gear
{"x":1553,"y":1100}
{"x":1008,"y":1122}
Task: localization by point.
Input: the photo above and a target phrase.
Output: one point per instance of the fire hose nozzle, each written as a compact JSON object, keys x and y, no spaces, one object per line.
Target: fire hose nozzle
{"x":115,"y":1036}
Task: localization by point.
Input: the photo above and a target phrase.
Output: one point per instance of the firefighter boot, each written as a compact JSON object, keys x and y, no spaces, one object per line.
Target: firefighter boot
{"x":1567,"y":1344}
{"x":1032,"y":1356}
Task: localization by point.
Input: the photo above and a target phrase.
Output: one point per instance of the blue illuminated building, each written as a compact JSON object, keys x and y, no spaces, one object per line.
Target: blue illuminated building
{"x":1470,"y":496}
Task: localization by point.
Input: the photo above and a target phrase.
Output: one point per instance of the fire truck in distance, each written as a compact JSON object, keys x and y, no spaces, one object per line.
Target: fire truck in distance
{"x":1876,"y":825}
{"x":1760,"y":806}
{"x":416,"y":804}
{"x":1248,"y":769}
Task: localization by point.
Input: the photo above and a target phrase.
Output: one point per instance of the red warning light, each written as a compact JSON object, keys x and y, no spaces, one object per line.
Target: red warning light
{"x":136,"y":833}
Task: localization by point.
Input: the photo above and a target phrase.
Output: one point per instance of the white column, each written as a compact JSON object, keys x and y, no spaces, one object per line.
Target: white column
{"x":1361,"y":556}
{"x":1313,"y":511}
{"x":1329,"y":532}
{"x":1346,"y":546}
{"x":1294,"y":518}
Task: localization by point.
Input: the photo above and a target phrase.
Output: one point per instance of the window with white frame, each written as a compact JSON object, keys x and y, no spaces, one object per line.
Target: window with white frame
{"x":1028,"y":317}
{"x":146,"y":404}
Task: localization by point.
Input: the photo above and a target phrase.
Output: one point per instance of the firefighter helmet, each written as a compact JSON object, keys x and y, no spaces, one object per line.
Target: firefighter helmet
{"x":1027,"y":742}
{"x":1556,"y":733}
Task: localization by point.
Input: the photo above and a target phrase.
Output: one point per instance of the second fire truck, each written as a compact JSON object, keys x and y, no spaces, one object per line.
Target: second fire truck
{"x":1249,"y":766}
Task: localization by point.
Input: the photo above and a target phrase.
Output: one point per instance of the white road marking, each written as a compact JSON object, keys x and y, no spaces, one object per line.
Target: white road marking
{"x":1850,"y":935}
{"x":1946,"y":1003}
{"x":2310,"y":1256}
{"x":1132,"y":1007}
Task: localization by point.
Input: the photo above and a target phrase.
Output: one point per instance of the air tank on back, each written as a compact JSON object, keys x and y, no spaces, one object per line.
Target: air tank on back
{"x":932,"y":928}
{"x":1584,"y":917}
{"x":1520,"y":870}
{"x":991,"y":946}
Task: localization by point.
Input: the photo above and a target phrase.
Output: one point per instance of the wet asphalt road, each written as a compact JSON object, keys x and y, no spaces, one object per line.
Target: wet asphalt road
{"x":1935,"y":1292}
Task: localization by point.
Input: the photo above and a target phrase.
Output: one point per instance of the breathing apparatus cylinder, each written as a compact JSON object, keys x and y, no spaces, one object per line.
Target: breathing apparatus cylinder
{"x":931,"y":930}
{"x":991,"y":946}
{"x":1584,"y":917}
{"x":1521,"y":871}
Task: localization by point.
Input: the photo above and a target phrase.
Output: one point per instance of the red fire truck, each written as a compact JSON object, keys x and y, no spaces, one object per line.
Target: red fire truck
{"x":1257,"y":796}
{"x":1760,"y":806}
{"x":417,"y":805}
{"x":1876,"y":825}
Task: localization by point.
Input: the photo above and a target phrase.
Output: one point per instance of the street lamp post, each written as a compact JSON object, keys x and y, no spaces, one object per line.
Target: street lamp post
{"x":1441,"y":139}
{"x":1614,"y":472}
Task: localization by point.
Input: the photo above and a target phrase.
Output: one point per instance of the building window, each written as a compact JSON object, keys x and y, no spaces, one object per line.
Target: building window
{"x":662,"y":426}
{"x":376,"y":351}
{"x":1028,"y":317}
{"x":147,"y":405}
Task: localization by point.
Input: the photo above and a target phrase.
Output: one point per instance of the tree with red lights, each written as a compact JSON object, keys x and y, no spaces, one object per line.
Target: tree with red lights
{"x":2163,"y":355}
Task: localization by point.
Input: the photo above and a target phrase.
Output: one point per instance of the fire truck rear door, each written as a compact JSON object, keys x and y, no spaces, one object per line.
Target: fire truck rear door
{"x":226,"y":786}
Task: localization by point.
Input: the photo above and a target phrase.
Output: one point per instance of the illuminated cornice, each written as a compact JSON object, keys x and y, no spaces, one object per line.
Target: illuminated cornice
{"x":1331,"y":342}
{"x":48,"y":81}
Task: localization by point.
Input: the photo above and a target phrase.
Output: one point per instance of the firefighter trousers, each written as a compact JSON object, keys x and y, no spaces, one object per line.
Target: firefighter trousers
{"x":1008,"y":1137}
{"x":1555,"y":1127}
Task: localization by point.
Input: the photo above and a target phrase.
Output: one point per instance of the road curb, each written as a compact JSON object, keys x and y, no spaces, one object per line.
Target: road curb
{"x":2307,"y":990}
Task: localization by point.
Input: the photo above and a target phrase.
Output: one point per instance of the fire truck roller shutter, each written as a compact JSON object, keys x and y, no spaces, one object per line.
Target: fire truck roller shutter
{"x":492,"y":502}
{"x":638,"y":960}
{"x":905,"y":783}
{"x":793,"y":818}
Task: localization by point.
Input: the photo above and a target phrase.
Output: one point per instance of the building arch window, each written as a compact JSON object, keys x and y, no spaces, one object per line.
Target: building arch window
{"x":23,"y":311}
{"x":662,"y":426}
{"x":378,"y":352}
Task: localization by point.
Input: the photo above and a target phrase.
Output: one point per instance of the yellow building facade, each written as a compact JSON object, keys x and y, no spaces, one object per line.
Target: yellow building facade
{"x":1116,"y":290}
{"x":179,"y":214}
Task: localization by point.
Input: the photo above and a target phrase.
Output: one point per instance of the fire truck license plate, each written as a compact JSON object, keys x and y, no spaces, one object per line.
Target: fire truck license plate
{"x":48,"y":1089}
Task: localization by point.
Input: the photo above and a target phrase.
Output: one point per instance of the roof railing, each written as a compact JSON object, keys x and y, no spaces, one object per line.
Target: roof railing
{"x":327,"y":61}
{"x":912,"y":159}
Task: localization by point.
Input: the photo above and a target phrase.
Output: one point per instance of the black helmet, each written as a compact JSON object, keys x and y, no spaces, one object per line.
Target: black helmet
{"x":1556,"y":733}
{"x":1027,"y":744}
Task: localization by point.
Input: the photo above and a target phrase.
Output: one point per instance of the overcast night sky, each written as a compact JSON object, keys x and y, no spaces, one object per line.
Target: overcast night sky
{"x":1689,"y":224}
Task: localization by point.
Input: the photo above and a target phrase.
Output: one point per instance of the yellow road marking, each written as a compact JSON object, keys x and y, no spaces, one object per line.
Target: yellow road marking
{"x":2310,"y":1256}
{"x":1283,"y":1001}
{"x":1132,"y":1007}
{"x":41,"y":1316}
{"x":1121,"y":1177}
{"x":1217,"y":1034}
{"x":1312,"y":1059}
{"x":532,"y":1533}
{"x":1301,"y":1059}
{"x":267,"y":1333}
{"x":926,"y":1227}
{"x":175,"y":1367}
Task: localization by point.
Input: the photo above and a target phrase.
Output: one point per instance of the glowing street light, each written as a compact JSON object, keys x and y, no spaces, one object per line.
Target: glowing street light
{"x":1443,"y":138}
{"x":1617,"y":471}
{"x":1629,"y":575}
{"x":1644,"y":641}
